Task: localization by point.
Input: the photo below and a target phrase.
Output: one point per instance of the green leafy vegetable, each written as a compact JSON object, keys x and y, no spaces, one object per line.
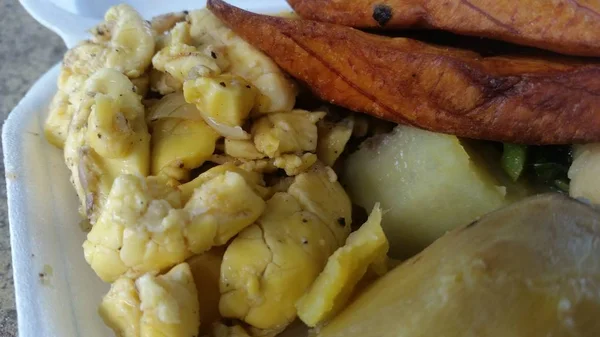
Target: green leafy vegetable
{"x":514,"y":158}
{"x":550,"y":166}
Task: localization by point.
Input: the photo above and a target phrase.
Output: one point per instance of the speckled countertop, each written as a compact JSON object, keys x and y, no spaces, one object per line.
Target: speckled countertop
{"x":27,"y":50}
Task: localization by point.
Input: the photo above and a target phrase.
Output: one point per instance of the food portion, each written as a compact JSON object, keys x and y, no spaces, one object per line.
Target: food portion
{"x":225,"y":199}
{"x":107,"y":137}
{"x":511,"y":99}
{"x":585,"y":180}
{"x":568,"y":27}
{"x":331,"y":290}
{"x":124,"y":42}
{"x":272,"y":263}
{"x":206,"y":269}
{"x":153,"y":306}
{"x":540,"y":255}
{"x":427,"y":181}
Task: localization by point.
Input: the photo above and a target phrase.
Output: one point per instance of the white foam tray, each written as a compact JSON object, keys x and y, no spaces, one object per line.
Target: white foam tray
{"x":42,"y":205}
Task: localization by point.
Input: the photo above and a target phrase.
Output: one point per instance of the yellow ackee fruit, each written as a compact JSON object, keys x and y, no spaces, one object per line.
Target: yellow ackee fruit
{"x":271,"y":264}
{"x":153,"y":306}
{"x":181,"y":143}
{"x":286,"y":132}
{"x":225,"y":99}
{"x":206,"y":269}
{"x":345,"y":268}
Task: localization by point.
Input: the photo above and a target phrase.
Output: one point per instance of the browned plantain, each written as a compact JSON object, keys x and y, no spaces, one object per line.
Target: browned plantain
{"x":565,"y":26}
{"x":522,"y":100}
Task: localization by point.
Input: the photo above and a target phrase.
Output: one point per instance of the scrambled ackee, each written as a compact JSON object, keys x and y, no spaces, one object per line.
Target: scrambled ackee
{"x":211,"y":196}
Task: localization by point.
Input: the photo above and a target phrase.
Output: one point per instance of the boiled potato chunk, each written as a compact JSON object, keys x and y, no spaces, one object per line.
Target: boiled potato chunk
{"x":529,"y":270}
{"x":585,"y":173}
{"x":344,"y":269}
{"x":426,"y":180}
{"x":181,"y":144}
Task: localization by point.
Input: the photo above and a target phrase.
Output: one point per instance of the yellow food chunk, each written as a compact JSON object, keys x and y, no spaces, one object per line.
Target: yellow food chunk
{"x":205,"y":269}
{"x":333,"y":139}
{"x":181,"y":144}
{"x":227,"y":203}
{"x":288,"y":132}
{"x":225,"y":99}
{"x":143,"y":227}
{"x":585,"y":180}
{"x":428,"y":181}
{"x":344,"y":269}
{"x":254,"y":179}
{"x":124,"y":41}
{"x":172,"y":106}
{"x":319,"y":192}
{"x":277,"y":90}
{"x":139,"y":230}
{"x":164,"y":83}
{"x":294,"y":164}
{"x":243,"y":149}
{"x":62,"y":107}
{"x":222,"y":330}
{"x":270,"y":265}
{"x":120,"y":308}
{"x":178,"y":32}
{"x":182,"y":62}
{"x":259,"y":165}
{"x":107,"y":137}
{"x":109,"y":132}
{"x":59,"y":118}
{"x":153,"y":306}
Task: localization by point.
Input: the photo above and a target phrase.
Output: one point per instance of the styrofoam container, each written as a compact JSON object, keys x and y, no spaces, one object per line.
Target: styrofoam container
{"x":57,"y":293}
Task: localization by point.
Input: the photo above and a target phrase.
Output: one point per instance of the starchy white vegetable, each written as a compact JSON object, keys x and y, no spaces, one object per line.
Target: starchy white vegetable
{"x":427,"y":181}
{"x":585,"y":173}
{"x":530,"y":269}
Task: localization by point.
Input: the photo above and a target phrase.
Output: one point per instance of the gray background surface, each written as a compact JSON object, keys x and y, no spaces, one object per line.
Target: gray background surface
{"x":27,"y":50}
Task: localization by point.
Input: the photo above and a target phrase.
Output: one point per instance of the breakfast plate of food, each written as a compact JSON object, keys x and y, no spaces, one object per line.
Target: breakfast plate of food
{"x":310,"y":168}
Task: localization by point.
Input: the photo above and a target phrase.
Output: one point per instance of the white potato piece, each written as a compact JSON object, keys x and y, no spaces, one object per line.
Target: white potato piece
{"x":585,"y":173}
{"x":426,"y":181}
{"x":529,"y":270}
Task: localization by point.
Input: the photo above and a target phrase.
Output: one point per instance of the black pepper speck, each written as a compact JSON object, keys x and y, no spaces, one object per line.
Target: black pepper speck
{"x":382,"y":14}
{"x":341,"y":221}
